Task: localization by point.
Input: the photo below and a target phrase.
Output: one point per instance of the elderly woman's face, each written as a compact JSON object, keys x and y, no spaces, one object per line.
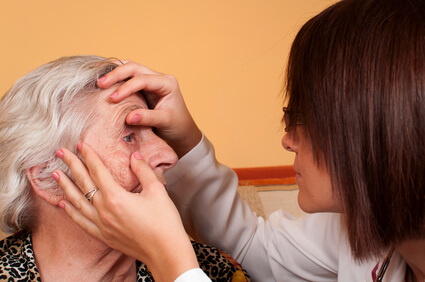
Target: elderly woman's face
{"x":115,"y":141}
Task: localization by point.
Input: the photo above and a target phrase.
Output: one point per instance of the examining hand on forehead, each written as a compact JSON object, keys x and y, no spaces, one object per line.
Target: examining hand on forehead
{"x":170,"y":116}
{"x":114,"y":140}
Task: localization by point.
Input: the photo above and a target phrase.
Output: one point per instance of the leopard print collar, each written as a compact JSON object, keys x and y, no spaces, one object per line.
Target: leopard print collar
{"x":18,"y":262}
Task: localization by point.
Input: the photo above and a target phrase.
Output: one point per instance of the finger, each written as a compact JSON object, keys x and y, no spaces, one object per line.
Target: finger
{"x":152,"y":118}
{"x":148,"y":180}
{"x":161,"y":85}
{"x":97,"y":170}
{"x":78,"y":170}
{"x":123,"y":72}
{"x":74,"y":195}
{"x":119,"y":62}
{"x":80,"y":219}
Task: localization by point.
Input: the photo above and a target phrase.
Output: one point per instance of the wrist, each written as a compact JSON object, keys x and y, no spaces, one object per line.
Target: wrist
{"x":173,"y":262}
{"x":187,"y":142}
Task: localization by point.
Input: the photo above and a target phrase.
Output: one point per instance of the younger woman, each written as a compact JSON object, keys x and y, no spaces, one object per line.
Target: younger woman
{"x":355,"y":119}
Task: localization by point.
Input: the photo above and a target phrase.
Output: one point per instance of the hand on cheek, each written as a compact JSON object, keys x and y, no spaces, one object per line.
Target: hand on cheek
{"x":146,"y":226}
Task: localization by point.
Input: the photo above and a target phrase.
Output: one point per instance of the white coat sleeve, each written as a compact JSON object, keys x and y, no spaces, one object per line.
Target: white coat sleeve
{"x":193,"y":275}
{"x":280,"y":249}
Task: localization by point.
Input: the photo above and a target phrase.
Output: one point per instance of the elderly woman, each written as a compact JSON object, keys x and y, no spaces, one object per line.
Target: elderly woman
{"x":355,"y":119}
{"x":59,"y":105}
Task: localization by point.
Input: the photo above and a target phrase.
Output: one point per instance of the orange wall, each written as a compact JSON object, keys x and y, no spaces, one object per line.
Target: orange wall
{"x":229,"y":56}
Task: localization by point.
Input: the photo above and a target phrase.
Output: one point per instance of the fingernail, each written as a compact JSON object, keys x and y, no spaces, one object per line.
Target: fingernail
{"x":55,"y":176}
{"x":114,"y":95}
{"x":62,"y":205}
{"x":59,"y":153}
{"x":102,"y":79}
{"x":137,"y":155}
{"x":135,"y":118}
{"x":79,"y":145}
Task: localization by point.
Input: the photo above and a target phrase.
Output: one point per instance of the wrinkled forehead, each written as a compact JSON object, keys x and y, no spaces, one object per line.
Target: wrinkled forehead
{"x":116,"y":112}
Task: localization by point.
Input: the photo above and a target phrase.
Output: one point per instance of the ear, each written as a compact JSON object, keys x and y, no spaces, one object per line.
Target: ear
{"x":52,"y":196}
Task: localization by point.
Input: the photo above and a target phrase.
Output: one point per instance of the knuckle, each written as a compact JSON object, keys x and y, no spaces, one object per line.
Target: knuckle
{"x":95,"y":168}
{"x":110,"y":237}
{"x":106,"y":219}
{"x":71,"y":162}
{"x":78,"y":204}
{"x":107,"y":235}
{"x":84,"y":226}
{"x":84,"y":183}
{"x":113,"y":202}
{"x":171,"y":79}
{"x":132,"y":66}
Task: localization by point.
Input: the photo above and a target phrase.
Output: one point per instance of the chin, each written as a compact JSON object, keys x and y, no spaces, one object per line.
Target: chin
{"x":307,"y":209}
{"x":308,"y":206}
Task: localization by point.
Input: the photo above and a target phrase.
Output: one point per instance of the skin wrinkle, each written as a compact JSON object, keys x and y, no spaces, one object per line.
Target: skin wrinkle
{"x":121,"y":115}
{"x":107,"y":139}
{"x":118,"y":130}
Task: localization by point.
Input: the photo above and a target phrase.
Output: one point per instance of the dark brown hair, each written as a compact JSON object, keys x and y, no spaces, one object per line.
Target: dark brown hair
{"x":356,"y":79}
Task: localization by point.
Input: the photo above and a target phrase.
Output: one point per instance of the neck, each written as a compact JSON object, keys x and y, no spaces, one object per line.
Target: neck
{"x":413,"y":252}
{"x":64,"y":251}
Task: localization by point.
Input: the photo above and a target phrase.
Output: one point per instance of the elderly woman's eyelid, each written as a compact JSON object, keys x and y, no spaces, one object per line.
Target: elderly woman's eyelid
{"x":122,"y":114}
{"x":129,"y":110}
{"x":136,"y":107}
{"x":120,"y":120}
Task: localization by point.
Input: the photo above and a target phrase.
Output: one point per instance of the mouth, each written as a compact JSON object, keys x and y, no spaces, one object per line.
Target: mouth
{"x":297,"y":173}
{"x":298,"y":177}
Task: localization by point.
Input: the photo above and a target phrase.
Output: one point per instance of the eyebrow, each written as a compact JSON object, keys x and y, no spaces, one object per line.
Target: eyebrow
{"x":121,"y":115}
{"x":132,"y":108}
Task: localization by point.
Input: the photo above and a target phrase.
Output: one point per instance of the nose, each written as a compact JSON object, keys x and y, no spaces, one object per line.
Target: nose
{"x":289,"y":142}
{"x":157,"y":153}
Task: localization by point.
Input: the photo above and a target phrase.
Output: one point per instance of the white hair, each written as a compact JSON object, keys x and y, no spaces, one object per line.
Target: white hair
{"x":46,"y":109}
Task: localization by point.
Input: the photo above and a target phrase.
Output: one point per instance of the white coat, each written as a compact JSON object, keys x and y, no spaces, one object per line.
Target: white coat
{"x":282,"y":248}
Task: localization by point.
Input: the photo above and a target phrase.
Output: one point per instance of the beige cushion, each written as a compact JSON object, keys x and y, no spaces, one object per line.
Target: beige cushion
{"x":264,"y":200}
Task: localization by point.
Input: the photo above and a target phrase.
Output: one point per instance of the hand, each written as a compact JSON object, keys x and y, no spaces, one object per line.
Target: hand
{"x":169,"y":116}
{"x":146,"y":226}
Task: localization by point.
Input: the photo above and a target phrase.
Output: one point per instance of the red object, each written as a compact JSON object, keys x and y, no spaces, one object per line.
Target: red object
{"x":271,"y":175}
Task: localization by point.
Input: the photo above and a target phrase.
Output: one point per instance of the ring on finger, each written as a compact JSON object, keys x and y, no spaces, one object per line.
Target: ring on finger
{"x":90,"y":194}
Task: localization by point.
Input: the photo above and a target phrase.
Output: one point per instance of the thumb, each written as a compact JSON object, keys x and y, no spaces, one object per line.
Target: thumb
{"x":153,"y":118}
{"x":148,"y":180}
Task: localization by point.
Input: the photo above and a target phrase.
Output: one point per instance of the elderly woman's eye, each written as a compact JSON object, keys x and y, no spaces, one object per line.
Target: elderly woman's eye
{"x":129,"y":137}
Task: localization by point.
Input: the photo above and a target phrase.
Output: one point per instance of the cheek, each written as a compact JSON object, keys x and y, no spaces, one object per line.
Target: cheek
{"x":315,"y":187}
{"x":118,"y":163}
{"x":316,"y":194}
